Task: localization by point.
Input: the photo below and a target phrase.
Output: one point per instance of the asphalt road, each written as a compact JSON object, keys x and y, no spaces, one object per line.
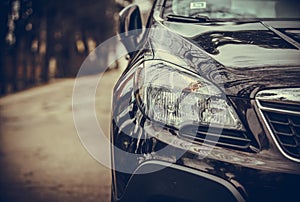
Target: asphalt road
{"x":41,"y":156}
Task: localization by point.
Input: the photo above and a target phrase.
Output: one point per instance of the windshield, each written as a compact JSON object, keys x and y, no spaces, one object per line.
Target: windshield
{"x":240,"y":9}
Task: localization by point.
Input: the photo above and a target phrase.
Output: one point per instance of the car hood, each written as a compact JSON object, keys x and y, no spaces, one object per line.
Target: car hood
{"x":248,"y":56}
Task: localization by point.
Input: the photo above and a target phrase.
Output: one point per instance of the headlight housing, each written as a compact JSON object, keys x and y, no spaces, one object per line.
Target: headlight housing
{"x":174,"y":96}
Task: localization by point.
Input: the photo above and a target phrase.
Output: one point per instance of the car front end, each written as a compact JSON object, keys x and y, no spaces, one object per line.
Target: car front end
{"x":209,"y":111}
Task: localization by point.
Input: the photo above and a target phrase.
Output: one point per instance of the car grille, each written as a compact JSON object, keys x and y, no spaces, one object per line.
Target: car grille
{"x":216,"y":136}
{"x":283,"y":121}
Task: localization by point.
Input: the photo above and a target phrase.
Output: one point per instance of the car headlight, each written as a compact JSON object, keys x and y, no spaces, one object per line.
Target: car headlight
{"x":174,"y":96}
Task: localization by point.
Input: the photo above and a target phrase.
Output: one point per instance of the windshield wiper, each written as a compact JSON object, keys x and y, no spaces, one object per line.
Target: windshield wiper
{"x":195,"y":19}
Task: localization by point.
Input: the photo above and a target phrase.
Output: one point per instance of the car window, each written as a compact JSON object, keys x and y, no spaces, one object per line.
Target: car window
{"x":220,"y":9}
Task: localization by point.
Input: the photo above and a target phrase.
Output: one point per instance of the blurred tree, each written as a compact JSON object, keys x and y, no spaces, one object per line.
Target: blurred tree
{"x":4,"y":9}
{"x":44,"y":38}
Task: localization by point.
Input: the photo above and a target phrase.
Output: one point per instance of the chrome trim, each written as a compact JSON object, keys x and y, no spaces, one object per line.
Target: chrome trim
{"x":216,"y":179}
{"x":260,"y":108}
{"x":283,"y":95}
{"x":283,"y":111}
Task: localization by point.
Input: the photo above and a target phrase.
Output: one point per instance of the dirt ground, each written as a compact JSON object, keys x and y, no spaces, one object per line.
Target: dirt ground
{"x":41,"y":156}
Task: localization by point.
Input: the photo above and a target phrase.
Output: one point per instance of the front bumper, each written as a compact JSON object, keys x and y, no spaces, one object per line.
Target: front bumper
{"x":177,"y":183}
{"x":194,"y":172}
{"x":191,"y":179}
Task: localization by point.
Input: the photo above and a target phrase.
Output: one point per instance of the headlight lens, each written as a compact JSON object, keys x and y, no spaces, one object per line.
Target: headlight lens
{"x":173,"y":96}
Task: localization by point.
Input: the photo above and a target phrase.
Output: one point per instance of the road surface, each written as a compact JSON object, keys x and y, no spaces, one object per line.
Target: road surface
{"x":41,"y":156}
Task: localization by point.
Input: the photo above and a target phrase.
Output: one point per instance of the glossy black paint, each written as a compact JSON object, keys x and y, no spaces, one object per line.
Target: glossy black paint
{"x":248,"y":59}
{"x":242,"y":59}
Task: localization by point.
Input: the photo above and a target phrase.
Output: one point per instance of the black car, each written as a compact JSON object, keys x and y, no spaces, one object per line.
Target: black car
{"x":208,"y":108}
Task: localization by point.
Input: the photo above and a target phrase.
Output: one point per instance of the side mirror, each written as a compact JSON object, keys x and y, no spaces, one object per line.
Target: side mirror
{"x":130,"y":26}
